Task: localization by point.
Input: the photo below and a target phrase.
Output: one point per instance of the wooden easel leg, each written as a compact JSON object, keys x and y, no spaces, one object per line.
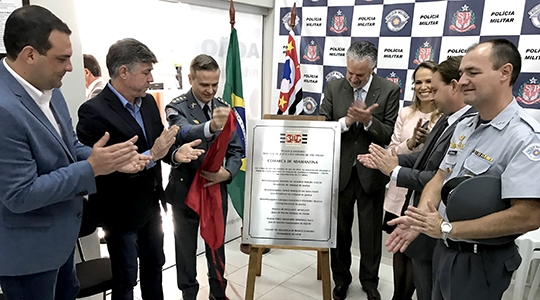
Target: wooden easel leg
{"x":325,"y":272}
{"x":259,"y":259}
{"x":252,"y":272}
{"x":319,"y":275}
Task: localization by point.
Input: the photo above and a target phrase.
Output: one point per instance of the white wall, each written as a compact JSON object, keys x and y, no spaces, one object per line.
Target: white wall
{"x":73,"y":83}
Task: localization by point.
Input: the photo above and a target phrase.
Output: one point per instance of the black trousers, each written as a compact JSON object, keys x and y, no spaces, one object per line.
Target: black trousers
{"x":423,"y":278}
{"x":467,"y":275}
{"x":146,"y":243}
{"x":186,"y":224}
{"x":370,"y":216}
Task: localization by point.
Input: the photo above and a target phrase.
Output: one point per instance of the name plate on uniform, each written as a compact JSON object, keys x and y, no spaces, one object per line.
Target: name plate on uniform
{"x":292,"y":183}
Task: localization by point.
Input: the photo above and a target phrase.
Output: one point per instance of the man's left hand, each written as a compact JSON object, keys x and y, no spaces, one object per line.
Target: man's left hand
{"x":163,"y":143}
{"x":428,"y":223}
{"x":385,"y":161}
{"x":137,"y":164}
{"x":360,"y":113}
{"x":215,"y":177}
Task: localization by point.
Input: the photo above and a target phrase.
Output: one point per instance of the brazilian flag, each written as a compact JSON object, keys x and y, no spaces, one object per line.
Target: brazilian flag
{"x":232,"y":94}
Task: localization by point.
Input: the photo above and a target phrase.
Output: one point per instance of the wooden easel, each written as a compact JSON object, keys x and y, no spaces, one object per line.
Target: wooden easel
{"x":323,"y":254}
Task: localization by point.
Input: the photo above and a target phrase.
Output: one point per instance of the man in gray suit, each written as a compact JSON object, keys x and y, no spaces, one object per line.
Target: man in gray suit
{"x":415,"y":170}
{"x":44,"y":170}
{"x":366,"y":106}
{"x":200,"y":116}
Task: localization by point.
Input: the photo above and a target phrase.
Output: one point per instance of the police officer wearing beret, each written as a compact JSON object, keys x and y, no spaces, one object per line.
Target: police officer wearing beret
{"x":501,"y":141}
{"x":200,"y":116}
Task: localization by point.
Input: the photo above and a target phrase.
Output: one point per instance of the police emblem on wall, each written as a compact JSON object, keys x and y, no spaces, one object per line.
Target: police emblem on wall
{"x":315,"y":3}
{"x":333,"y":73}
{"x":396,"y":76}
{"x":310,"y":105}
{"x":395,"y":79}
{"x":424,"y":49}
{"x":311,"y":52}
{"x":463,"y":20}
{"x":396,"y":20}
{"x":424,"y":53}
{"x":333,"y":76}
{"x":534,"y":15}
{"x":338,"y":23}
{"x":286,"y":20}
{"x":284,"y":28}
{"x":529,"y":91}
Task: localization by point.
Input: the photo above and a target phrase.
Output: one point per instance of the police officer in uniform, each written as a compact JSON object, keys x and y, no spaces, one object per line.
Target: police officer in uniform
{"x":200,"y":116}
{"x":501,"y":141}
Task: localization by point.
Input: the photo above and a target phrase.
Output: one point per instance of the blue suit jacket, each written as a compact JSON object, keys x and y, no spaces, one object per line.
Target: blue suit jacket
{"x":43,"y":177}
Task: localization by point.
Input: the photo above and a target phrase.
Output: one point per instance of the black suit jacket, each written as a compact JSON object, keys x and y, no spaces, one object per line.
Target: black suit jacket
{"x":338,"y":97}
{"x":123,"y":201}
{"x":185,"y":112}
{"x":415,"y":177}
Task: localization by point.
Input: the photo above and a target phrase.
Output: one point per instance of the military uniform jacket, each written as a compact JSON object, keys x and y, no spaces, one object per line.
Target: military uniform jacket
{"x":185,"y":112}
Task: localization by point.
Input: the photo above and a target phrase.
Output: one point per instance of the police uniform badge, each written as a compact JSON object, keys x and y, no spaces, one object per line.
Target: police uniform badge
{"x":171,"y":112}
{"x":532,"y":152}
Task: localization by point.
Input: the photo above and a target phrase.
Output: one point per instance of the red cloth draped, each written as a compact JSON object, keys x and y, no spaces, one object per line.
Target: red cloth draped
{"x":207,"y":201}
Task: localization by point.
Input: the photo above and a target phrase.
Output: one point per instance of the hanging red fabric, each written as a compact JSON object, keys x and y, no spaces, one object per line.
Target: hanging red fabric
{"x":207,"y":201}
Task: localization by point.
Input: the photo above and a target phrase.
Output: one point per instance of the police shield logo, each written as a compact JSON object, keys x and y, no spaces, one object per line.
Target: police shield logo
{"x":310,"y":105}
{"x":529,"y":92}
{"x":423,"y":53}
{"x":532,"y":152}
{"x":333,"y":76}
{"x":463,"y":20}
{"x":395,"y":79}
{"x":339,"y":23}
{"x":286,"y":20}
{"x":396,"y":19}
{"x":534,"y":15}
{"x":311,"y":52}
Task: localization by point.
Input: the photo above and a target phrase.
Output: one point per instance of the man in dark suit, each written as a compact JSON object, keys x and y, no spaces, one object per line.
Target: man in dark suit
{"x":415,"y":170}
{"x":127,"y":206}
{"x":44,"y":170}
{"x":366,"y":106}
{"x":199,"y":116}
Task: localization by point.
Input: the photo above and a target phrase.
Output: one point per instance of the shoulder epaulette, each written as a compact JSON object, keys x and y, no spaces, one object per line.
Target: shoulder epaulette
{"x":222,"y":101}
{"x":179,"y":99}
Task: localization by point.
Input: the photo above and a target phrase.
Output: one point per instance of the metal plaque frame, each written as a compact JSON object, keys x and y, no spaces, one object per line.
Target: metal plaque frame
{"x":292,"y":183}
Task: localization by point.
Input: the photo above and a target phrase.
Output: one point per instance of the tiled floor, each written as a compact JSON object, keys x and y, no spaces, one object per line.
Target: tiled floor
{"x":286,"y":274}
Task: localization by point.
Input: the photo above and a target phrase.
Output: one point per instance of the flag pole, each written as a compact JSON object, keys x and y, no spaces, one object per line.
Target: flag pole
{"x":232,"y":13}
{"x":293,"y":16}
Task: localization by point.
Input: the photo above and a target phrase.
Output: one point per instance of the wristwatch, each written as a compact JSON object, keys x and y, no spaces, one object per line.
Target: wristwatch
{"x":446,"y":228}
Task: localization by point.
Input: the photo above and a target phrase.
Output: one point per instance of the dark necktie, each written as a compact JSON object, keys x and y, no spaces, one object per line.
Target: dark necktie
{"x":437,"y":131}
{"x":206,"y":111}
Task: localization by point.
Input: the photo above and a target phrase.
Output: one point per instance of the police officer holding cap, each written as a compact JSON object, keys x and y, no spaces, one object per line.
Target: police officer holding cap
{"x":502,"y":141}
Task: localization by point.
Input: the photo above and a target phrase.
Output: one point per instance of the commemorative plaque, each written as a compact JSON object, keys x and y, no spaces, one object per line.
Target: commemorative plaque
{"x":292,"y":183}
